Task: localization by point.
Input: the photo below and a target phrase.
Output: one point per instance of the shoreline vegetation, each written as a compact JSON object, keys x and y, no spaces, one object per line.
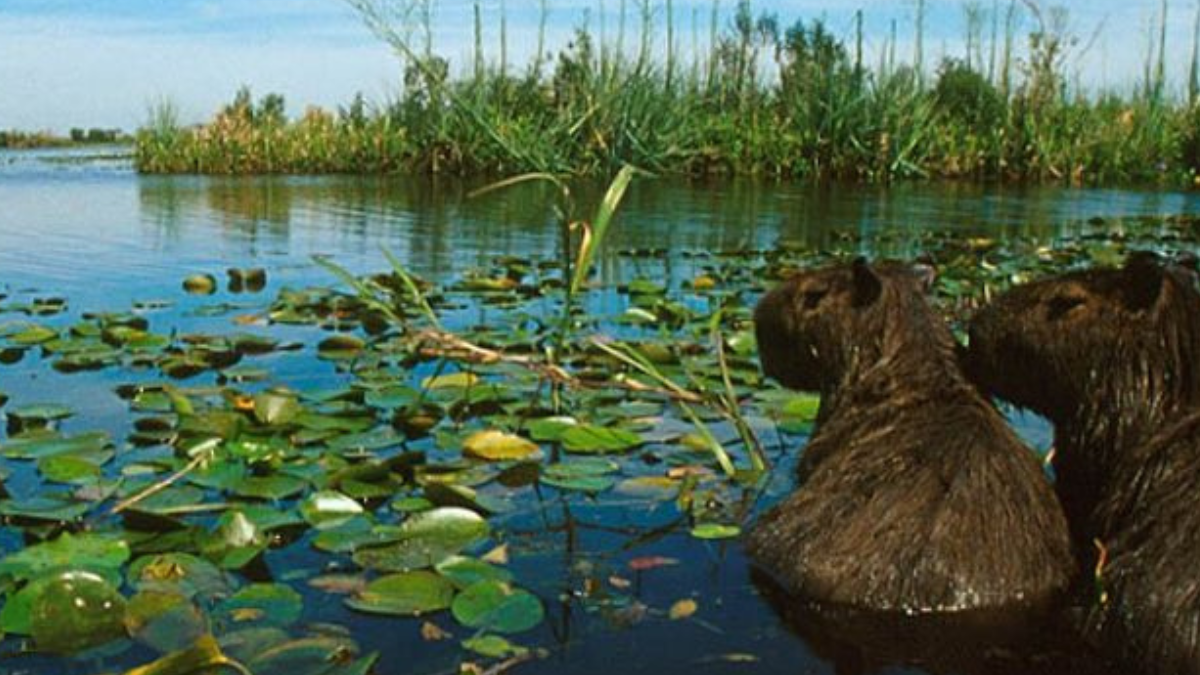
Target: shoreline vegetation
{"x":763,"y":99}
{"x":13,"y":139}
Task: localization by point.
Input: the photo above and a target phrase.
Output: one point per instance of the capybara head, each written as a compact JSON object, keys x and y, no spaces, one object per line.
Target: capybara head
{"x":1094,"y":342}
{"x":818,"y":325}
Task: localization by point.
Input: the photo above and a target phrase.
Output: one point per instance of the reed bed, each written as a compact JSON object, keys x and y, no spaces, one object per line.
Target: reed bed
{"x":791,"y":103}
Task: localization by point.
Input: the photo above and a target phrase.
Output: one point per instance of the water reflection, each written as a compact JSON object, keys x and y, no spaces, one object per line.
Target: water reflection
{"x":438,"y":230}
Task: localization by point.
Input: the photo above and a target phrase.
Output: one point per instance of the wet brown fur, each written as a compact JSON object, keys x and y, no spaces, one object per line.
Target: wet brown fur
{"x":915,"y":495}
{"x":1110,"y":356}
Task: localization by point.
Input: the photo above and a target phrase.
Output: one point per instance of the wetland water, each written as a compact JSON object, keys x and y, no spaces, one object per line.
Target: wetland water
{"x":93,"y":233}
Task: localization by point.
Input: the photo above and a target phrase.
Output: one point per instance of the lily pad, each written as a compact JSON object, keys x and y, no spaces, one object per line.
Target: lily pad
{"x":166,"y":622}
{"x":715,"y":531}
{"x":426,"y":538}
{"x":460,"y":380}
{"x":264,"y":604}
{"x":497,"y":606}
{"x":90,"y":552}
{"x":76,"y":610}
{"x":588,"y":438}
{"x":404,"y":594}
{"x":329,"y":508}
{"x":497,"y":446}
{"x":200,"y":284}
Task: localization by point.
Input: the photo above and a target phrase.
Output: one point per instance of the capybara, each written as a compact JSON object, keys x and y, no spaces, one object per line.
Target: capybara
{"x":915,"y":496}
{"x":1110,"y":357}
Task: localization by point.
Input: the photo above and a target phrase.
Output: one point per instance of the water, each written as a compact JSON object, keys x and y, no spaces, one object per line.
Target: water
{"x":88,"y":229}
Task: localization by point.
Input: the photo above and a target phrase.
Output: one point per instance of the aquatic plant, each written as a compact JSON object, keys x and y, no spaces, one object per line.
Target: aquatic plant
{"x":765,"y":98}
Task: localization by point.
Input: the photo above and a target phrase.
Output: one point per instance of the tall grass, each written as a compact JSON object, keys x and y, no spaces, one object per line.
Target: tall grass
{"x":759,"y":97}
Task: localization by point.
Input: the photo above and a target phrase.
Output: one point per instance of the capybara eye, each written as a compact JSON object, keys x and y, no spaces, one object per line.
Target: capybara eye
{"x":1060,"y":305}
{"x":813,"y":298}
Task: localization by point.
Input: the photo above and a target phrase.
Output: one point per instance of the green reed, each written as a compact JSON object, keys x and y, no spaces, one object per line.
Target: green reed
{"x":761,"y":98}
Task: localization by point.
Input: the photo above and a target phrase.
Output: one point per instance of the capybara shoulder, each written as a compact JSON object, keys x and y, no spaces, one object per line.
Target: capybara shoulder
{"x":915,"y":495}
{"x":1148,"y":615}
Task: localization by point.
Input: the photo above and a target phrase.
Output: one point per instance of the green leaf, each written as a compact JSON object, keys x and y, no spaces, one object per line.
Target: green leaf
{"x":404,"y":594}
{"x":264,"y":604}
{"x":493,"y":647}
{"x":463,"y":571}
{"x":715,"y":531}
{"x":92,"y":552}
{"x":588,"y":438}
{"x":496,"y":606}
{"x":329,"y":508}
{"x":74,"y":611}
{"x":600,"y":225}
{"x":273,"y":408}
{"x":37,"y":446}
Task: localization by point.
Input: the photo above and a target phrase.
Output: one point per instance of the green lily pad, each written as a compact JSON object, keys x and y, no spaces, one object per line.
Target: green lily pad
{"x":463,"y":571}
{"x":588,"y":438}
{"x":36,"y":446}
{"x":589,"y":484}
{"x":329,"y":508}
{"x":40,"y":412}
{"x":179,"y":573}
{"x":426,"y":539}
{"x":166,"y":622}
{"x":496,"y":606}
{"x":32,"y":335}
{"x":69,"y":469}
{"x":274,"y":487}
{"x":493,"y":647}
{"x":264,"y":604}
{"x":550,"y":429}
{"x":54,"y":508}
{"x":404,"y":594}
{"x":74,"y":611}
{"x":91,"y":552}
{"x":715,"y":531}
{"x":274,"y":408}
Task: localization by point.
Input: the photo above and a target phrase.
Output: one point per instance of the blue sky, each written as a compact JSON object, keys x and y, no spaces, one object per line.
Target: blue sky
{"x":67,"y":63}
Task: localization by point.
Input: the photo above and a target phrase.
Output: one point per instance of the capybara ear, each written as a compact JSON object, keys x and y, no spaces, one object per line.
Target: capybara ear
{"x":1143,"y":280}
{"x":867,"y":285}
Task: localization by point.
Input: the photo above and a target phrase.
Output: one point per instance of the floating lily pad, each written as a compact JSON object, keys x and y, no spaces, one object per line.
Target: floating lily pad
{"x":340,"y":347}
{"x":496,"y":446}
{"x":463,"y":571}
{"x":493,"y":647}
{"x":200,"y":284}
{"x":273,"y":408}
{"x":74,"y":611}
{"x":426,"y":539}
{"x":37,"y":446}
{"x":264,"y":604}
{"x":588,"y":438}
{"x":715,"y":531}
{"x":90,"y":552}
{"x":329,"y":508}
{"x":497,"y":606}
{"x":458,"y":380}
{"x":404,"y":594}
{"x":166,"y":622}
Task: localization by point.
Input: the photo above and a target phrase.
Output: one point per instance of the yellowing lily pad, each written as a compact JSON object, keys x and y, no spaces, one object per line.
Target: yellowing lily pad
{"x":498,"y":446}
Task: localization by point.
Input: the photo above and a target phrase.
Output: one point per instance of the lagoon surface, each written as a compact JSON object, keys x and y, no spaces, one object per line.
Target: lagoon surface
{"x":609,"y":571}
